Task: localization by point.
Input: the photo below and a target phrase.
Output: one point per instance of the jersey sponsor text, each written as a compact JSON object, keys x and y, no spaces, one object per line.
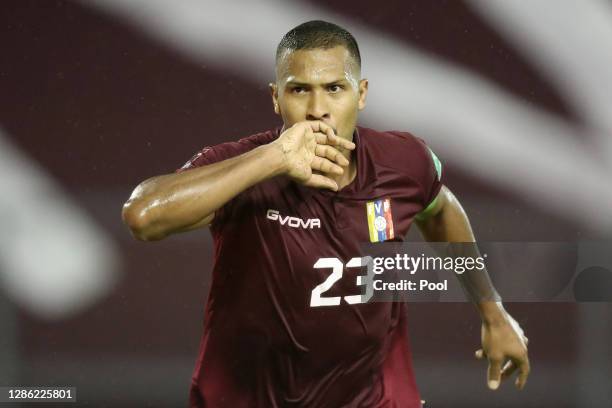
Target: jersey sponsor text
{"x":293,"y":222}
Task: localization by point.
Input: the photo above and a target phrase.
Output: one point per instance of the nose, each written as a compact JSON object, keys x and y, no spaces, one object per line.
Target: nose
{"x":317,"y":107}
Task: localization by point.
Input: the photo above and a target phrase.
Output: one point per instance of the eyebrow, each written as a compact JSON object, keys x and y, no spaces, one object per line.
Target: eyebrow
{"x":298,"y":83}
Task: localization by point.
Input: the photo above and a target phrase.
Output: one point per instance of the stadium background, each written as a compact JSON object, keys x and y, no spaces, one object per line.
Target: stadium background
{"x":96,"y":96}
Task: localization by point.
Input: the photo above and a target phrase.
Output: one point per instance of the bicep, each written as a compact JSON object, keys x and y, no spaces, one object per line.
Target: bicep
{"x":204,"y":222}
{"x":436,"y":205}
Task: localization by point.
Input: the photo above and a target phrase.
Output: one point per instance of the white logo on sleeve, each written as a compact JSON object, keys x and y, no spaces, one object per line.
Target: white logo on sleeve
{"x":293,"y":222}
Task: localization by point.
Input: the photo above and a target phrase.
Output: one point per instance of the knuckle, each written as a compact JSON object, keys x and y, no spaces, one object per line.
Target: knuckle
{"x":496,"y":357}
{"x":495,"y":365}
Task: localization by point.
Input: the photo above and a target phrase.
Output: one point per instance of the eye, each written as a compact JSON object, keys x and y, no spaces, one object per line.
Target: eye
{"x":335,"y":88}
{"x":298,"y":90}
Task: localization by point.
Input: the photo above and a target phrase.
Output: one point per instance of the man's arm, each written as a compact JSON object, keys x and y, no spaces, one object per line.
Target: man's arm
{"x":503,"y":342}
{"x":173,"y":203}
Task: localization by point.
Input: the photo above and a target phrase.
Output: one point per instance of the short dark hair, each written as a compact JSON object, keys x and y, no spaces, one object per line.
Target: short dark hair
{"x":318,"y":34}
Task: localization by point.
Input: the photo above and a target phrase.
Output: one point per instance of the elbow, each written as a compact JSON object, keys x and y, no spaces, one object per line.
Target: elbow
{"x":138,"y":218}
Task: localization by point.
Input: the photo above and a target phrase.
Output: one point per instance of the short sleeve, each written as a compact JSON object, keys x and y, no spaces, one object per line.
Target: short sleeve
{"x":224,"y":151}
{"x":205,"y":156}
{"x":213,"y":154}
{"x":432,"y":182}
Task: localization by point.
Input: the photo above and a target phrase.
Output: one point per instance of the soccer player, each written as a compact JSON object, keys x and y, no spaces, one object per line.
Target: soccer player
{"x":288,"y":209}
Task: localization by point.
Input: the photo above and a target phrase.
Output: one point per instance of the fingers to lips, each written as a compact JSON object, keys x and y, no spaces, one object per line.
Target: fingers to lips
{"x":322,"y":127}
{"x":338,"y":141}
{"x":331,"y":153}
{"x":333,"y":140}
{"x":319,"y":181}
{"x":328,"y":157}
{"x":327,"y":135}
{"x":325,"y":165}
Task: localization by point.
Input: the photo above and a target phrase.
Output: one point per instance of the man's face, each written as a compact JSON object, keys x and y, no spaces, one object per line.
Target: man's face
{"x":319,"y":84}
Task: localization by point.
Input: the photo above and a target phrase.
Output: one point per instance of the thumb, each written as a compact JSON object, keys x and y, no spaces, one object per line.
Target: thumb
{"x":494,"y":373}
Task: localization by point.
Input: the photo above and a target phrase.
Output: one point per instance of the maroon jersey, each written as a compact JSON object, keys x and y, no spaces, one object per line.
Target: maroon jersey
{"x":284,"y":328}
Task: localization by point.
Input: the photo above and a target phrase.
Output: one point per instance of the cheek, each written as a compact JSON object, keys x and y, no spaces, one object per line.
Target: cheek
{"x":347,"y":118}
{"x":346,"y":109}
{"x":293,"y":108}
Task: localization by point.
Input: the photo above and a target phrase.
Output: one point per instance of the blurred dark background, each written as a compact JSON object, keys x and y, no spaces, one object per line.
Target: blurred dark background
{"x":97,"y":96}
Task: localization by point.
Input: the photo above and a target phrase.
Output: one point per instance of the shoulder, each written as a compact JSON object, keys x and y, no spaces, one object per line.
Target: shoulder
{"x":394,"y":146}
{"x":407,"y":155}
{"x":227,"y":150}
{"x":260,"y":138}
{"x":243,"y":145}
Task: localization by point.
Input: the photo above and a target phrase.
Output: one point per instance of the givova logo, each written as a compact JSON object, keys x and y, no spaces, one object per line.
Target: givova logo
{"x":293,"y":222}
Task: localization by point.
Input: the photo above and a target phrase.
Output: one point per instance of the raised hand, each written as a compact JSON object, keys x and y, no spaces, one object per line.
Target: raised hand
{"x":311,"y":151}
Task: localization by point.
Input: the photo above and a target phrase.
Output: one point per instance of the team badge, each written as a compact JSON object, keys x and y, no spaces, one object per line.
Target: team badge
{"x":380,"y":220}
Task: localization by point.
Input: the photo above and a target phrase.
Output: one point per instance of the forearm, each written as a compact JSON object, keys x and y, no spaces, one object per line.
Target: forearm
{"x":451,"y":224}
{"x":174,"y":202}
{"x":503,"y":341}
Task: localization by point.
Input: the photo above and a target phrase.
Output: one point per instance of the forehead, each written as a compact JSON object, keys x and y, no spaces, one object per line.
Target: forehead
{"x":315,"y":64}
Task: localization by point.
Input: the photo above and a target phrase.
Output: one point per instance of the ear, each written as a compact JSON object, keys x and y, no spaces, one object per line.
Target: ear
{"x":363,"y":93}
{"x":274,"y":94}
